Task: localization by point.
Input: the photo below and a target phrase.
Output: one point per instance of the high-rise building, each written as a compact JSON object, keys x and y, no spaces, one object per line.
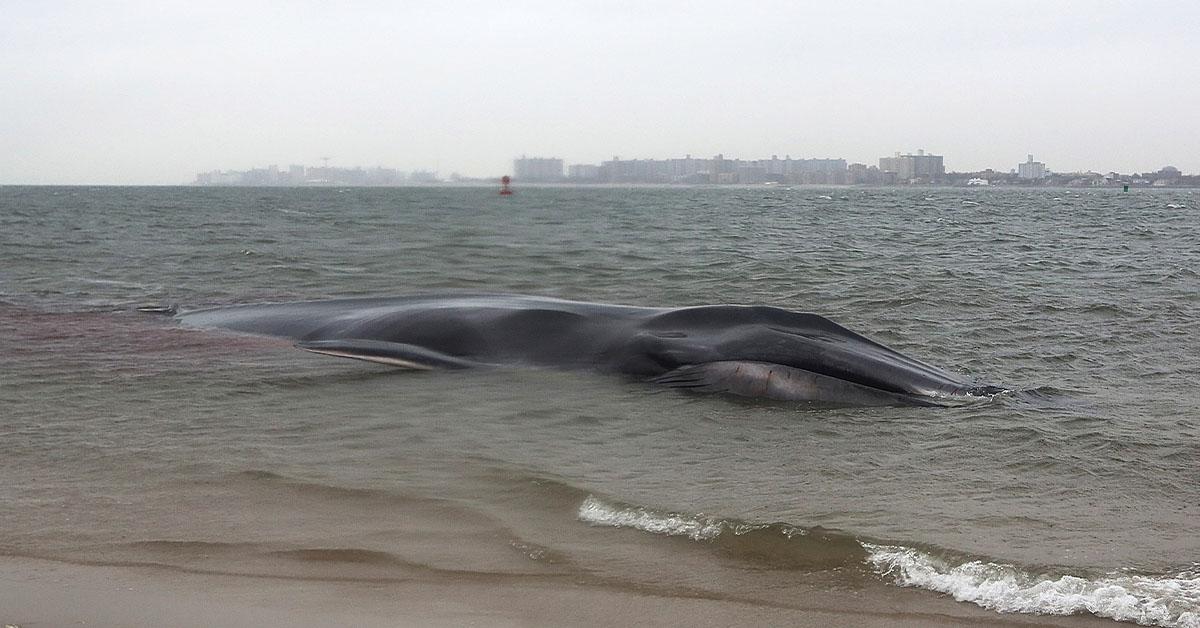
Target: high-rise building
{"x":1031,"y":169}
{"x":909,"y":167}
{"x":537,"y":169}
{"x":583,"y":172}
{"x":718,"y":169}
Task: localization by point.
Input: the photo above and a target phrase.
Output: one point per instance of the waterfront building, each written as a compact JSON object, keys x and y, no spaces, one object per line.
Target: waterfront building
{"x":297,"y":174}
{"x":751,"y":172}
{"x":1167,"y":175}
{"x":1031,"y":170}
{"x":816,"y":171}
{"x":583,"y":172}
{"x":862,"y":174}
{"x":718,"y":169}
{"x":721,"y":171}
{"x":910,"y":167}
{"x":537,"y":169}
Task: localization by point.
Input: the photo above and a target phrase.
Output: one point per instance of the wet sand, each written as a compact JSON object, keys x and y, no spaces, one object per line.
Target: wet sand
{"x":38,"y":593}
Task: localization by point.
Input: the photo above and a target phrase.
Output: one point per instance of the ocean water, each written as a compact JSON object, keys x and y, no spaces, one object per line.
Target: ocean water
{"x":128,"y":440}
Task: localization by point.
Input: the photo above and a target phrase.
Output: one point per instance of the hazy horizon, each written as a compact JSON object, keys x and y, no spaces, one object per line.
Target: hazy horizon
{"x":153,"y":93}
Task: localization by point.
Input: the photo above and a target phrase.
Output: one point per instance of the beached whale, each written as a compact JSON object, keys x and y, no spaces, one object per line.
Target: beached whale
{"x":752,"y":351}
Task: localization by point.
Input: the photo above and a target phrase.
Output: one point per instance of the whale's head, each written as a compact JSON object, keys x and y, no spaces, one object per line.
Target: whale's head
{"x":764,"y":351}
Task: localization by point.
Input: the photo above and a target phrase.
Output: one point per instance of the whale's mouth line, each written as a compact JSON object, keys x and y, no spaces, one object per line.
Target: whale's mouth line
{"x":397,"y":362}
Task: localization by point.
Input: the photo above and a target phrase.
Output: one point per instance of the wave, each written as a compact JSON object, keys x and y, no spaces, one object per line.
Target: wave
{"x":1168,"y":600}
{"x":597,"y":512}
{"x":767,"y":545}
{"x":311,"y":489}
{"x":1153,"y":600}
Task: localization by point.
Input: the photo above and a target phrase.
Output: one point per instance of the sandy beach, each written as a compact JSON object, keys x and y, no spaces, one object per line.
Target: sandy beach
{"x":37,"y":593}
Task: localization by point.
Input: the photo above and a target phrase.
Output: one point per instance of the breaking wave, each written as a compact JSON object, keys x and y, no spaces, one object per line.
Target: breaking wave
{"x":1152,"y":600}
{"x":766,"y":545}
{"x":597,"y":512}
{"x":1170,"y":600}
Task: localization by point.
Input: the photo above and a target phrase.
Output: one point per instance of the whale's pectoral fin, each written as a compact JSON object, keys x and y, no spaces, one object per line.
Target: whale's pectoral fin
{"x":776,"y":381}
{"x":390,"y":353}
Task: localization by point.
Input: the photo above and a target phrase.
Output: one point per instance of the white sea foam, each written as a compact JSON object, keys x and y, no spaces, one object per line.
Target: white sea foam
{"x":596,"y":512}
{"x":1170,"y":601}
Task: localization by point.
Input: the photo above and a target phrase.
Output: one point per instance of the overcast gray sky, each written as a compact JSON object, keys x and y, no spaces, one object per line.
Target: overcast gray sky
{"x":154,"y":92}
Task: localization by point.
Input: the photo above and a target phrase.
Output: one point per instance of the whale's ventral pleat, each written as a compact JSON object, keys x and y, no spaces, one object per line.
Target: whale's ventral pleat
{"x":776,"y":381}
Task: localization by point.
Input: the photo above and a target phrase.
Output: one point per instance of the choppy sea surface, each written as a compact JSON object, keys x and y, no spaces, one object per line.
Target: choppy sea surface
{"x":129,"y":440}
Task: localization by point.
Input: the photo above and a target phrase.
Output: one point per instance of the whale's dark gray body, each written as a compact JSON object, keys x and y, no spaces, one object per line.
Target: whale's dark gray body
{"x":744,"y":350}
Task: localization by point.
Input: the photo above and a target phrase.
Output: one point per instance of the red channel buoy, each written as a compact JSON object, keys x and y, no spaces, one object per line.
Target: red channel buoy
{"x":504,"y":181}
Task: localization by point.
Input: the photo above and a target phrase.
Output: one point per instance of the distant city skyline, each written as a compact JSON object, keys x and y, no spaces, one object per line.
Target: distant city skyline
{"x":423,"y":174}
{"x":1026,"y":168}
{"x":137,"y":93}
{"x":899,"y":168}
{"x":540,"y":168}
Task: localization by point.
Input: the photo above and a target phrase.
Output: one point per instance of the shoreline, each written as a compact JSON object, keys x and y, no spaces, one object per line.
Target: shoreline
{"x":37,"y":592}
